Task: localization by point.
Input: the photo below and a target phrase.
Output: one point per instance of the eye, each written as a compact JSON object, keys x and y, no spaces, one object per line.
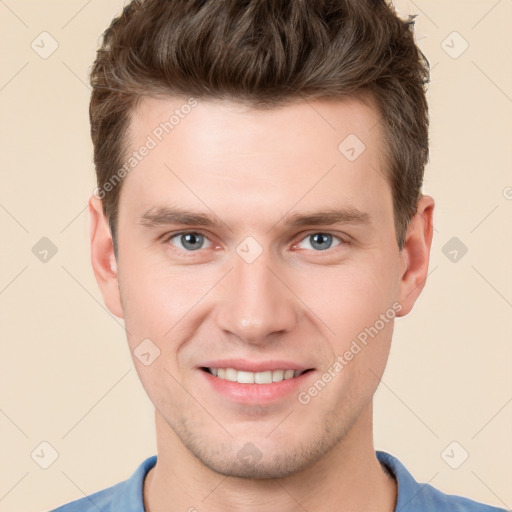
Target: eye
{"x":188,"y":242}
{"x":321,"y":241}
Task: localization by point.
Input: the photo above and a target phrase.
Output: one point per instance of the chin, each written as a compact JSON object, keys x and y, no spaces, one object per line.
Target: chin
{"x":268,"y":467}
{"x":262,"y":459}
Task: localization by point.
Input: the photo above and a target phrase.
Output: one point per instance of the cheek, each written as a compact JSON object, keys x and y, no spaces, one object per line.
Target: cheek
{"x":156,"y":301}
{"x":156,"y":295}
{"x":350,"y":297}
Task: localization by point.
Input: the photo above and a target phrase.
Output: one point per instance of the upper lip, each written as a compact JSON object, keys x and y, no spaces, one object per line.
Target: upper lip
{"x":255,"y":366}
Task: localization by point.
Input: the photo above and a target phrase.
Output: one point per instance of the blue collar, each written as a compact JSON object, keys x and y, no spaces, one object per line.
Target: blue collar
{"x":412,"y":496}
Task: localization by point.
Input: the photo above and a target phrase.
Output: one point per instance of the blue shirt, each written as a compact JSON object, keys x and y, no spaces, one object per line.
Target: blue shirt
{"x":126,"y":496}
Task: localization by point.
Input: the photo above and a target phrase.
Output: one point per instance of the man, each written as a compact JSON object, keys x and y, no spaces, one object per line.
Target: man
{"x":258,"y":225}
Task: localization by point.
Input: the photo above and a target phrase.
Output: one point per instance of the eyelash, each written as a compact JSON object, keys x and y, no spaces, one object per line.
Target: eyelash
{"x":167,"y":238}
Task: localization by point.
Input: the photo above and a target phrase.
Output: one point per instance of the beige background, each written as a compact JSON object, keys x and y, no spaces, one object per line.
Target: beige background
{"x":66,"y":374}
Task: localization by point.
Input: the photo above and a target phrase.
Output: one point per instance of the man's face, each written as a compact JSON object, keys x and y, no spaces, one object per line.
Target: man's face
{"x":254,"y":290}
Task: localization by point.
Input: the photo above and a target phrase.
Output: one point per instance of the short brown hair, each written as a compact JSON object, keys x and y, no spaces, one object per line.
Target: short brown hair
{"x":264,"y":53}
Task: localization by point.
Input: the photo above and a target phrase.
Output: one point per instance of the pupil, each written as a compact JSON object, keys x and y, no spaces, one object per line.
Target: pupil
{"x":191,"y":241}
{"x":320,"y":238}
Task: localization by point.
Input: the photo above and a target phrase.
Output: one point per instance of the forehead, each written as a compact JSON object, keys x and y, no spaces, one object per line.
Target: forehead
{"x":205,"y":153}
{"x":223,"y":121}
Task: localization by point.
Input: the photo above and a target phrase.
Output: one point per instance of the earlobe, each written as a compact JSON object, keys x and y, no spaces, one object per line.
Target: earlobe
{"x":103,"y":259}
{"x":415,"y":254}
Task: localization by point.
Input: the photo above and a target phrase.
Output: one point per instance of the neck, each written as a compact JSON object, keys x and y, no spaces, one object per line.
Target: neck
{"x":349,"y":477}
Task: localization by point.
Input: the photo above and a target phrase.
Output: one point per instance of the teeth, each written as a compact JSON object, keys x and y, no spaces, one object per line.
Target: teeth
{"x":243,"y":377}
{"x":230,"y":374}
{"x":277,"y":375}
{"x":263,"y":377}
{"x":288,"y":374}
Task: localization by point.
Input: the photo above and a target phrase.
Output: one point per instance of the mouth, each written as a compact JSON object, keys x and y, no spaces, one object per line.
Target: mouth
{"x":254,"y":383}
{"x":260,"y":377}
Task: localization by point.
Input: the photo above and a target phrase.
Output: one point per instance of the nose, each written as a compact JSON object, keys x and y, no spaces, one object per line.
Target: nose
{"x":256,"y":301}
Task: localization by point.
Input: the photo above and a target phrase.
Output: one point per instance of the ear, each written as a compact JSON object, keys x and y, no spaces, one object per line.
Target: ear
{"x":103,"y":258}
{"x":415,"y":255}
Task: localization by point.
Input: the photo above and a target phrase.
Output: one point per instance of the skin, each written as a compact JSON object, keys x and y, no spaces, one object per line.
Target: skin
{"x":295,"y":302}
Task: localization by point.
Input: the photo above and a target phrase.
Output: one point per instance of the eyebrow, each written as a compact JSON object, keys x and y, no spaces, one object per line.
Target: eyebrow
{"x":349,"y":215}
{"x":155,"y":217}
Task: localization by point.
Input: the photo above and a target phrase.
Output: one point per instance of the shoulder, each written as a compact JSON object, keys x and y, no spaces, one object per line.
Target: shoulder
{"x":435,"y":500}
{"x":419,"y":497}
{"x":124,"y":496}
{"x":101,"y":500}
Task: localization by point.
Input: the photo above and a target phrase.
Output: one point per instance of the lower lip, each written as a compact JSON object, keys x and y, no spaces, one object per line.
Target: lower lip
{"x":256,"y":393}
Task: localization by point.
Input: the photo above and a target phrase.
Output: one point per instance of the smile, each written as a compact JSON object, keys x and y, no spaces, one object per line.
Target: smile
{"x":245,"y":377}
